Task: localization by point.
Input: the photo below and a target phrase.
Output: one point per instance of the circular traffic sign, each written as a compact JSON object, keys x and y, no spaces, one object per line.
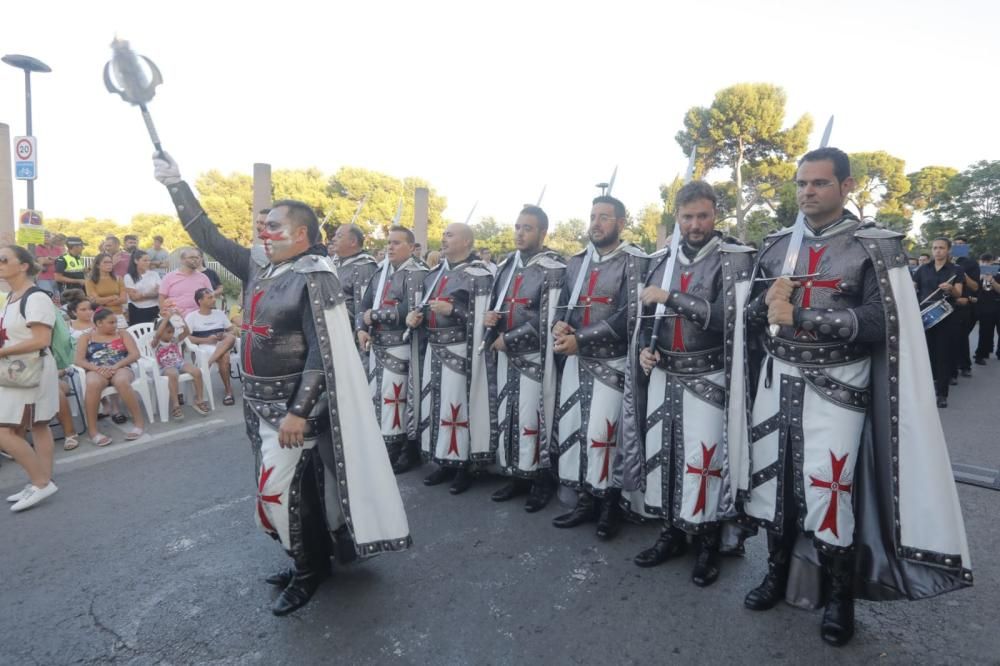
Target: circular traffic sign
{"x":23,"y":149}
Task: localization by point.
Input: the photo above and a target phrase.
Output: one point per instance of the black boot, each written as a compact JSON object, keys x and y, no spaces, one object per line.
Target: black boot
{"x":511,"y":490}
{"x":541,"y":492}
{"x":837,"y":627}
{"x":585,"y":511}
{"x":706,"y":567}
{"x":462,"y":482}
{"x":610,"y":522}
{"x":344,"y":550}
{"x":281,"y":578}
{"x":300,"y":590}
{"x":408,"y":458}
{"x":671,"y":543}
{"x":439,"y":476}
{"x":772,"y":590}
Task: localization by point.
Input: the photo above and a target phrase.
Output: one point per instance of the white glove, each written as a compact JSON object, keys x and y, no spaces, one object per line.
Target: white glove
{"x":165,"y":169}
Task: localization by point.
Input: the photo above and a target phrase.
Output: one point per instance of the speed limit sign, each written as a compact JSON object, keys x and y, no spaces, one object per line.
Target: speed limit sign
{"x":25,"y":158}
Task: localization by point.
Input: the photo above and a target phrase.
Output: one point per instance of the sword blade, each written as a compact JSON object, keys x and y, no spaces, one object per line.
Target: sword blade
{"x":541,"y":196}
{"x":611,"y":183}
{"x":399,"y":212}
{"x":469,"y":216}
{"x":578,"y":285}
{"x":357,"y":211}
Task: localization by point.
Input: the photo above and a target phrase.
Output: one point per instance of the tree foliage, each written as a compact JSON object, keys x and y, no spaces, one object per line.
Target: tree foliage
{"x":969,"y":206}
{"x":927,"y":185}
{"x":496,"y":237}
{"x":881,"y":185}
{"x":742,"y":131}
{"x":568,"y":237}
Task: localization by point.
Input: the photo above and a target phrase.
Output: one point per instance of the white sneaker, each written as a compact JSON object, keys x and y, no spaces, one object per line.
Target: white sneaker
{"x":16,"y":497}
{"x":33,"y":495}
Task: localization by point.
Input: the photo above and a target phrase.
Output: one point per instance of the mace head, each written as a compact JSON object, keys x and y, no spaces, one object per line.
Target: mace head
{"x":130,"y":75}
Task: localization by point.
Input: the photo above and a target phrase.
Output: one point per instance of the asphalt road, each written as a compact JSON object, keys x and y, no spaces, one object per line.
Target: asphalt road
{"x":148,"y":554}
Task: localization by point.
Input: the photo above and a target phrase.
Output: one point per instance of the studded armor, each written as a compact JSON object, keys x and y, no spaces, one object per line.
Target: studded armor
{"x":400,"y":294}
{"x":520,"y":307}
{"x":355,"y":272}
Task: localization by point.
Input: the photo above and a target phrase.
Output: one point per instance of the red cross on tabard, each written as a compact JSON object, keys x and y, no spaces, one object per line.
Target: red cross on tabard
{"x":528,"y":432}
{"x":454,"y":424}
{"x":253,"y":329}
{"x":704,"y":472}
{"x":265,"y":474}
{"x":396,"y":401}
{"x":438,"y":297}
{"x":836,"y":486}
{"x":607,"y":445}
{"x":815,"y":254}
{"x":588,"y":299}
{"x":388,"y":302}
{"x":678,"y":343}
{"x":514,"y":301}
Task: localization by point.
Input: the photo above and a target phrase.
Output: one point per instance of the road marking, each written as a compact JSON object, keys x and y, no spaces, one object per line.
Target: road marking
{"x":142,"y":441}
{"x":221,"y":506}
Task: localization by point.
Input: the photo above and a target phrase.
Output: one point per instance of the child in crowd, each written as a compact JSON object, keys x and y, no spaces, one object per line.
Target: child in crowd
{"x":167,"y":346}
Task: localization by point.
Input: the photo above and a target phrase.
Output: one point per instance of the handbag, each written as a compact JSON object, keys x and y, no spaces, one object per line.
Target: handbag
{"x":21,"y":370}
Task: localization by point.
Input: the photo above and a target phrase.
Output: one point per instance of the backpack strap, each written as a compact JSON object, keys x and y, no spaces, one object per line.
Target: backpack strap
{"x":24,"y":305}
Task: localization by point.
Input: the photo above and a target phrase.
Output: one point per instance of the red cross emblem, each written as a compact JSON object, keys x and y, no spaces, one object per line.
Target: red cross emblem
{"x":454,"y":424}
{"x":836,"y":486}
{"x":678,"y":343}
{"x":395,"y":401}
{"x":253,"y":329}
{"x":704,"y":472}
{"x":607,"y":445}
{"x":815,"y":255}
{"x":388,"y":302}
{"x":514,"y":301}
{"x":528,"y":432}
{"x":265,"y":474}
{"x":439,"y":298}
{"x":588,"y":299}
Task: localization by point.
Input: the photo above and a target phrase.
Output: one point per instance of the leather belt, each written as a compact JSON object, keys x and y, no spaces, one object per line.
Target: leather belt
{"x":446,"y":336}
{"x":270,"y":388}
{"x":691,"y":363}
{"x":815,"y":354}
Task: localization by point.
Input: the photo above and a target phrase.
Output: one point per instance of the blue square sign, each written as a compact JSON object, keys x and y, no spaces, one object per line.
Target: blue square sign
{"x":24,"y":170}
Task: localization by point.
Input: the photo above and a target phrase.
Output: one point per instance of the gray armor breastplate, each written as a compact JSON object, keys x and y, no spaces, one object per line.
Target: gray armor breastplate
{"x":453,"y":287}
{"x":700,"y":279}
{"x":601,"y":292}
{"x":273,"y":342}
{"x":520,"y":303}
{"x":840,"y":262}
{"x":354,"y":274}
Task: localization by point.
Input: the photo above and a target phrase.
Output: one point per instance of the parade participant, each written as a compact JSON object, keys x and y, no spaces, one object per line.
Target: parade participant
{"x":987,"y":309}
{"x":523,"y":375}
{"x":680,"y":451}
{"x":964,"y":315}
{"x":844,"y":448}
{"x":355,"y":267}
{"x":598,"y":314}
{"x":391,"y":293}
{"x":307,"y":414}
{"x":936,"y":280}
{"x":454,"y":406}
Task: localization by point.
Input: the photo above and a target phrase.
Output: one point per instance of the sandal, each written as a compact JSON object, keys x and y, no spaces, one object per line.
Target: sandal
{"x":100,"y":439}
{"x":177,"y":413}
{"x":133,"y":434}
{"x":229,"y":400}
{"x":201,"y":407}
{"x":70,"y":443}
{"x":119,"y":418}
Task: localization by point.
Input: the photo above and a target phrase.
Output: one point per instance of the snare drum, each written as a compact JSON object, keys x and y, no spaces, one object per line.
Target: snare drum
{"x":935,"y":313}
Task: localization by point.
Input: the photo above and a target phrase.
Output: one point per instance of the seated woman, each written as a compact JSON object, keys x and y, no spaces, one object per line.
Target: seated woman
{"x":103,"y":288}
{"x":210,"y":328}
{"x":106,"y":354}
{"x":170,"y":359}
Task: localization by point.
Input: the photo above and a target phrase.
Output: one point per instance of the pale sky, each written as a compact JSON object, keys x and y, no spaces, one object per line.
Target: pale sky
{"x":488,"y":102}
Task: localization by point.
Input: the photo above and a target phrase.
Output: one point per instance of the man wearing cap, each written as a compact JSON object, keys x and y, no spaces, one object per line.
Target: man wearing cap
{"x":69,"y":269}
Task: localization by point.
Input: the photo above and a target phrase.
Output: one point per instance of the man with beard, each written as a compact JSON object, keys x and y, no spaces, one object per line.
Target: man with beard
{"x":598,"y":314}
{"x":845,"y":448}
{"x":683,"y":466}
{"x":454,"y":407}
{"x":523,"y":376}
{"x":298,"y":383}
{"x":393,"y":364}
{"x":355,"y":268}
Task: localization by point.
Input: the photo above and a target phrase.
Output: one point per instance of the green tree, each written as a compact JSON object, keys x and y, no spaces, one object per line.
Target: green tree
{"x":568,"y":237}
{"x":970,"y":207}
{"x":643,"y":230}
{"x":927,"y":185}
{"x":497,"y":238}
{"x":742,"y":132}
{"x":882,"y":183}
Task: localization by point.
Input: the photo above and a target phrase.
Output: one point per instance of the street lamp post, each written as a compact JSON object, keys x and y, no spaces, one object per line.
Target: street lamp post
{"x":29,"y":65}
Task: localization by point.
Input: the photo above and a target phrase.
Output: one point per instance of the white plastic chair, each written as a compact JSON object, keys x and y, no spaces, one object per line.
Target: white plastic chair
{"x":139,"y":385}
{"x":161,"y":384}
{"x":200,"y":355}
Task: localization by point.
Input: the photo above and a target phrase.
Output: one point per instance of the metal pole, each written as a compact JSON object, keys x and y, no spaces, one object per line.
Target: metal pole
{"x":6,"y":184}
{"x":27,"y":115}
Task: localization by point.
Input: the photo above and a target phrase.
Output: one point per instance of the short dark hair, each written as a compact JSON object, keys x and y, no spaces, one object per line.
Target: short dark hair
{"x":960,"y":238}
{"x":73,"y":304}
{"x":924,"y":254}
{"x":112,"y":237}
{"x":158,"y":238}
{"x":200,"y":293}
{"x":942,"y":238}
{"x":301,"y":215}
{"x":410,"y":238}
{"x":608,"y":199}
{"x":102,"y":313}
{"x":264,"y":211}
{"x":694,"y":191}
{"x":986,"y":256}
{"x":129,"y":237}
{"x":355,"y":231}
{"x":538,"y":214}
{"x":841,"y":162}
{"x":24,"y":257}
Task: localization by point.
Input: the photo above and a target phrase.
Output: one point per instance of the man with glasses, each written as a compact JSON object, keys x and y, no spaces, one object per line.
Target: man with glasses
{"x":180,"y":286}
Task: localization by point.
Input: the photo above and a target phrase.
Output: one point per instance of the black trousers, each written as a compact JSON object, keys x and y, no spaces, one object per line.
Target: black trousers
{"x":142,"y":315}
{"x":988,"y":327}
{"x":942,"y":346}
{"x":964,"y":323}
